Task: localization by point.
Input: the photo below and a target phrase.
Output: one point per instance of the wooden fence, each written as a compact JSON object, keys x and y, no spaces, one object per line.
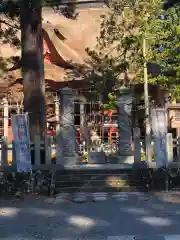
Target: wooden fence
{"x":43,"y":153}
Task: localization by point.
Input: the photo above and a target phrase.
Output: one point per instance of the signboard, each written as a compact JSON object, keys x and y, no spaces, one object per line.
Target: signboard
{"x":96,"y":158}
{"x":175,"y":121}
{"x":159,"y":128}
{"x":21,"y":142}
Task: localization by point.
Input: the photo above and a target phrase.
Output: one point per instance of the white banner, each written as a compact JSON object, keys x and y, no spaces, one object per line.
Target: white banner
{"x":21,"y":141}
{"x":159,"y":128}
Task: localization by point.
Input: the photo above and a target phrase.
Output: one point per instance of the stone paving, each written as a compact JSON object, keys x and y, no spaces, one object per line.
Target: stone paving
{"x":133,"y":216}
{"x":82,"y":197}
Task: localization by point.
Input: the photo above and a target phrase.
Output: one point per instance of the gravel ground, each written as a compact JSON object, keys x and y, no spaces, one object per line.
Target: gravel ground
{"x":156,"y":214}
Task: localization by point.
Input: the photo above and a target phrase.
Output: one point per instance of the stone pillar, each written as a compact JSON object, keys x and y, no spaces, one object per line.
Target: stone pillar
{"x":124,"y":106}
{"x":67,"y":134}
{"x":67,"y":127}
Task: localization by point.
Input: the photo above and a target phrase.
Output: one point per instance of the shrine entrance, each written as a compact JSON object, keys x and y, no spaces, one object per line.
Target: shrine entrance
{"x":96,"y":129}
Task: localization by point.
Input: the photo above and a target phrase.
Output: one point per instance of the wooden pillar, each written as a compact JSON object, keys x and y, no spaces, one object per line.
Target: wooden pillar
{"x":6,"y":117}
{"x":169,"y":147}
{"x":137,"y":145}
{"x":82,"y":114}
{"x":37,"y":148}
{"x":4,"y":153}
{"x":58,"y":135}
{"x":57,"y":114}
{"x":47,"y":145}
{"x":178,"y":143}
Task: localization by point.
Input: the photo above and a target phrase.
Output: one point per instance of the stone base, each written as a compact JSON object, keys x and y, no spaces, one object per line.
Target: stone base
{"x":111,"y":159}
{"x":72,"y":160}
{"x":128,"y":159}
{"x":140,"y":165}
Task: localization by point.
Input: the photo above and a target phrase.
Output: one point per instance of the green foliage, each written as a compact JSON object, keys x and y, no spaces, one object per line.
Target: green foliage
{"x":9,"y":25}
{"x":167,"y":37}
{"x":69,"y":10}
{"x":10,"y":11}
{"x":104,"y":77}
{"x":12,"y":8}
{"x":119,"y":47}
{"x":110,"y":105}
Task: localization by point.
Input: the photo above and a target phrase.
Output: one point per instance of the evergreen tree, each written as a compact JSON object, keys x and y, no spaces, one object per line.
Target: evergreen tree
{"x":29,"y":14}
{"x":120,"y":45}
{"x":166,"y":50}
{"x":33,"y":65}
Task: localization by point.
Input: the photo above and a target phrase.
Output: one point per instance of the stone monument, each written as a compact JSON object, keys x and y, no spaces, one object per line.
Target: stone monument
{"x":66,"y":141}
{"x":124,"y":106}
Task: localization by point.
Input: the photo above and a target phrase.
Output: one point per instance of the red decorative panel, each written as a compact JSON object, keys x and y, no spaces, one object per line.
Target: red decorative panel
{"x":47,"y":53}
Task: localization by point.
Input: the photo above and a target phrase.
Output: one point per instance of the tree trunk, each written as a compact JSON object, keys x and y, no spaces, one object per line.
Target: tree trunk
{"x":33,"y":65}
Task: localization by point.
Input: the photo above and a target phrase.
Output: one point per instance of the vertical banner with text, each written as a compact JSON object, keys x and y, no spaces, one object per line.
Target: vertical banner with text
{"x":159,"y":129}
{"x":21,"y":142}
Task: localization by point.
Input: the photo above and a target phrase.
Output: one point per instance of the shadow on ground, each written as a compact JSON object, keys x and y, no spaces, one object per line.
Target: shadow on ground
{"x":36,"y":219}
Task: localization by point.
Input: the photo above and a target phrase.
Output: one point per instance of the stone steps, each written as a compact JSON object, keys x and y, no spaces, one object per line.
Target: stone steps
{"x":99,"y":180}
